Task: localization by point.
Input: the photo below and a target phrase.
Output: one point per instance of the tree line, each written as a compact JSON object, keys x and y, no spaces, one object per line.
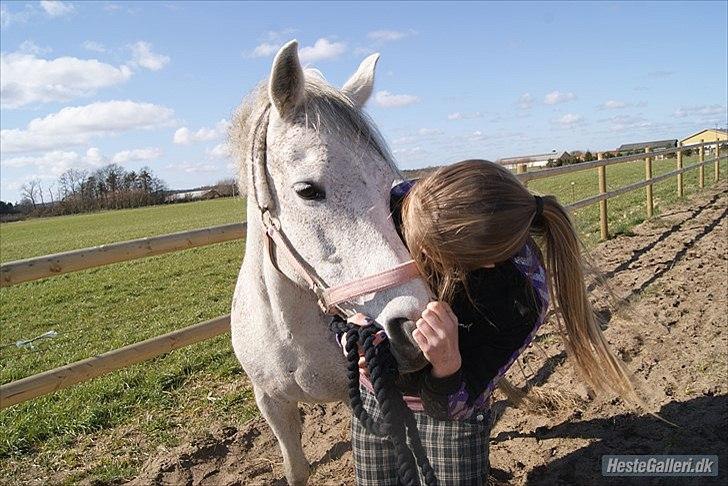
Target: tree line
{"x":77,"y":191}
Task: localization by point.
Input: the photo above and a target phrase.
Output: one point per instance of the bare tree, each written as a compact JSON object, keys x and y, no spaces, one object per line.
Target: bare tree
{"x":71,"y":181}
{"x":226,"y":187}
{"x":31,"y":190}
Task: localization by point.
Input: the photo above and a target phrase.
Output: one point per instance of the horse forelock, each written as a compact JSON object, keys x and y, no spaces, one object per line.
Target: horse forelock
{"x":325,"y":109}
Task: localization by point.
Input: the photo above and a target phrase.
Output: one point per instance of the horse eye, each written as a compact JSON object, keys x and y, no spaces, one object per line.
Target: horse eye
{"x":309,"y":191}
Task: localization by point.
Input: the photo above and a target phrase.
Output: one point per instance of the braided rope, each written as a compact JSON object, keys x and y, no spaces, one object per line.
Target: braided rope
{"x":399,"y":422}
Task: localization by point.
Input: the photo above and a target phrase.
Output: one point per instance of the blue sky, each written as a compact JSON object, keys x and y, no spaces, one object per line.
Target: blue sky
{"x":154,"y":83}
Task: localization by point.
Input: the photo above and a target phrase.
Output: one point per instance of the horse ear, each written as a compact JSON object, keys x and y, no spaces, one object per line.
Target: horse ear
{"x":286,"y":85}
{"x":360,"y":85}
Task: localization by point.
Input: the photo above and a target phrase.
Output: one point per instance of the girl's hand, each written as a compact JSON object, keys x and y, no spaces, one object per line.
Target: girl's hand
{"x":437,"y":337}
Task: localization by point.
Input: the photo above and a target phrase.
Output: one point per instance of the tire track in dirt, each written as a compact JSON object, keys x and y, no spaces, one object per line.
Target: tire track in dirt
{"x":674,"y":338}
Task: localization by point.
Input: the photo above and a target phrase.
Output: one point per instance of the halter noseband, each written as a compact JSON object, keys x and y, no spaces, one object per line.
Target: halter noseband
{"x":330,"y":299}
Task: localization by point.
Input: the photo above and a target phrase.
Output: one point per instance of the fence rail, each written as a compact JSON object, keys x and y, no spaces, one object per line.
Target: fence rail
{"x":72,"y":261}
{"x":45,"y":266}
{"x":65,"y":376}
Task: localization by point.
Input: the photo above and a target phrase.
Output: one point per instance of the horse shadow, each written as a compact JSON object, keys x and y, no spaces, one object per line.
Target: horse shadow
{"x":701,"y":429}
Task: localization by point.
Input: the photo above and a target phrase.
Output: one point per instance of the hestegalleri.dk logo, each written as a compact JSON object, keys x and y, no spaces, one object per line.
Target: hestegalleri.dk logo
{"x":660,"y":465}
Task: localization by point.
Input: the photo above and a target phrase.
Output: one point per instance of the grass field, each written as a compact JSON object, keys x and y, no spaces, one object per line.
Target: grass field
{"x":105,"y":428}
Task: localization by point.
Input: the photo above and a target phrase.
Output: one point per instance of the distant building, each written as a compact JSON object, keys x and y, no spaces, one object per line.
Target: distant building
{"x":537,"y":160}
{"x":707,"y":135}
{"x":192,"y":195}
{"x":641,"y":146}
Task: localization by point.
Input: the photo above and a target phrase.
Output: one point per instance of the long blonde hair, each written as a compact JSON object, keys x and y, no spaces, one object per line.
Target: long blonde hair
{"x":474,"y":213}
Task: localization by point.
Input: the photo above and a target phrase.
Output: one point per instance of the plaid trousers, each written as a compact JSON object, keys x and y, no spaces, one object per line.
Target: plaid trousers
{"x":457,"y":449}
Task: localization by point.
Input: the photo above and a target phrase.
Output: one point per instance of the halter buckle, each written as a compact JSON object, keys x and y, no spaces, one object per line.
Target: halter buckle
{"x":269,"y":221}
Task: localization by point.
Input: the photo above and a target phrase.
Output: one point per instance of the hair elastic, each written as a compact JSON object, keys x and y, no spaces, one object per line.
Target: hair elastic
{"x":539,"y":206}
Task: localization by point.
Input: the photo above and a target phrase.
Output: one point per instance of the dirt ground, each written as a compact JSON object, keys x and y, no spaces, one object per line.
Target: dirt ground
{"x":669,"y":322}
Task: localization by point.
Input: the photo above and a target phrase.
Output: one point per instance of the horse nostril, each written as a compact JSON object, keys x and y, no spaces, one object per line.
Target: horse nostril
{"x":400,"y":330}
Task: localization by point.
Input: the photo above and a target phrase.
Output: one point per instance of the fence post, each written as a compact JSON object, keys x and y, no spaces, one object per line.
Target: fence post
{"x":648,"y":176}
{"x":680,"y":192}
{"x":522,"y":169}
{"x":701,"y":169}
{"x":717,"y":162}
{"x":603,"y":224}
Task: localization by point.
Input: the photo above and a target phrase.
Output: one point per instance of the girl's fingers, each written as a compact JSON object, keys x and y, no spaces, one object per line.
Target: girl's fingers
{"x":427,"y":330}
{"x":420,"y":339}
{"x":443,"y":312}
{"x":436,"y":324}
{"x":360,"y":320}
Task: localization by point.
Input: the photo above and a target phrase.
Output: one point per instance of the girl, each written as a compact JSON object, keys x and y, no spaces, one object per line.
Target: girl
{"x":472,"y":228}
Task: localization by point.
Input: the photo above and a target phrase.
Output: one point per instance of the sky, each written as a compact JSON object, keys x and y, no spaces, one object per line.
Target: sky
{"x":84,"y":84}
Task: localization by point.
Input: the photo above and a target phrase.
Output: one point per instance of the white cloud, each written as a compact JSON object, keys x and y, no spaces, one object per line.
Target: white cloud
{"x":429,"y":131}
{"x":7,"y":17}
{"x":365,"y":51}
{"x":264,"y":49}
{"x":30,"y":79}
{"x":389,"y":35}
{"x":192,"y":168}
{"x":277,"y":35}
{"x":525,"y":102}
{"x":620,"y":123}
{"x":30,"y":47}
{"x":219,"y":151}
{"x":94,"y":156}
{"x":56,"y":162}
{"x":136,"y":155}
{"x":271,"y":41}
{"x":143,"y":56}
{"x":185,"y":136}
{"x":569,"y":120}
{"x":76,"y":125}
{"x":617,"y":105}
{"x":409,"y":151}
{"x":464,"y":116}
{"x":404,"y":140}
{"x":322,"y":50}
{"x":385,"y":99}
{"x":94,"y":46}
{"x":556,"y":97}
{"x":55,"y":8}
{"x":613,"y":105}
{"x":700,"y":110}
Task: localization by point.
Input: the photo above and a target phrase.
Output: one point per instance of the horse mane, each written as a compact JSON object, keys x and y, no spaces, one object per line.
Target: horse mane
{"x":325,"y":109}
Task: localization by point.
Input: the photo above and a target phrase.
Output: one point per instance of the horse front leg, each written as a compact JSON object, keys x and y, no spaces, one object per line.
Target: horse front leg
{"x":284,"y":419}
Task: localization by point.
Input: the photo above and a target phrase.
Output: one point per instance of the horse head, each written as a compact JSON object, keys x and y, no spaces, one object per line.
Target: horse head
{"x":325,"y":173}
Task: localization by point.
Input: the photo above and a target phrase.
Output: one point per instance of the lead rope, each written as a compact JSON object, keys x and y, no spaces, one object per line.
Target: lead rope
{"x":398,"y":422}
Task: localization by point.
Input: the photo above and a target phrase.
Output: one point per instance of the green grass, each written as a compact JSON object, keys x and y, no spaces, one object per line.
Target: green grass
{"x":41,"y":236}
{"x":628,"y":209}
{"x":103,"y":428}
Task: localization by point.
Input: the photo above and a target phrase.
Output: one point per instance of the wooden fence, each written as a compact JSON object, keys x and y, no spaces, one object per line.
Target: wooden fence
{"x":46,"y":266}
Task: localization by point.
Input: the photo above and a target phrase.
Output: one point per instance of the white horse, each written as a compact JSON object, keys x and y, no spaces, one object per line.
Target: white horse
{"x":326,"y":174}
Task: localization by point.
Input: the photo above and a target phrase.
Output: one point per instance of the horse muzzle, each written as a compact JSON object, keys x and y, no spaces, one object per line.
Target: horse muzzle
{"x":403,"y":346}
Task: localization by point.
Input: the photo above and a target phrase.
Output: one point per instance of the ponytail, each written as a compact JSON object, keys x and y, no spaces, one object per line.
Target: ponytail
{"x":576,"y":318}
